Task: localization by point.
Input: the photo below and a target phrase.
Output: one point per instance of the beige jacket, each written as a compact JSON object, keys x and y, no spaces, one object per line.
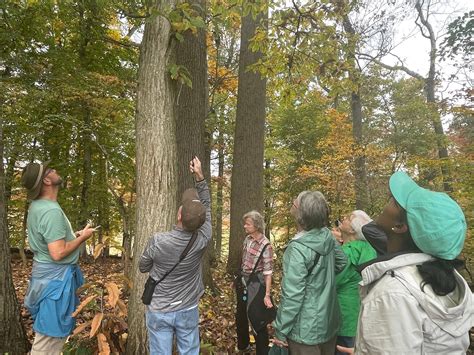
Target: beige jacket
{"x":397,"y":317}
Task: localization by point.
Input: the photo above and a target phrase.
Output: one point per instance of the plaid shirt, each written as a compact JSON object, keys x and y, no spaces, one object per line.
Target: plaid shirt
{"x":251,"y":252}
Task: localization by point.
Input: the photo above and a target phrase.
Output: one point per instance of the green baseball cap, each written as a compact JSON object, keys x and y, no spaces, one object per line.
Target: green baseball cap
{"x":436,"y":222}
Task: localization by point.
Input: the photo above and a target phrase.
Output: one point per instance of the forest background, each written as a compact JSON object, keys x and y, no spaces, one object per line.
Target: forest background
{"x":275,"y":97}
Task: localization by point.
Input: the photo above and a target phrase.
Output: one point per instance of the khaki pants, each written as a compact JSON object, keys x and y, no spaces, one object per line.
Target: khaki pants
{"x":45,"y":345}
{"x":326,"y":348}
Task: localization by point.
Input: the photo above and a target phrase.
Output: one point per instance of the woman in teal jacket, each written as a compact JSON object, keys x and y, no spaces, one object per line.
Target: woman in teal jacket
{"x":358,"y":251}
{"x":308,"y":317}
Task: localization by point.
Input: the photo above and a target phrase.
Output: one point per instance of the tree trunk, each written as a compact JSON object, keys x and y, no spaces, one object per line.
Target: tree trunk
{"x":156,"y":158}
{"x":24,"y":235}
{"x":219,"y":195}
{"x":12,"y":334}
{"x":103,"y":218}
{"x":430,"y":88}
{"x":247,"y":169}
{"x":268,"y":199}
{"x":191,"y":112}
{"x":360,"y":173}
{"x":86,"y":169}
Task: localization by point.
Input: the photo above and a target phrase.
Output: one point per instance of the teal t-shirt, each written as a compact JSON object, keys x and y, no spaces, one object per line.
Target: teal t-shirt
{"x":47,"y":223}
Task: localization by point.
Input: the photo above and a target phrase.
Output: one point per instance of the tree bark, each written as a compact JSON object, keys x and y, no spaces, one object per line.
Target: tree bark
{"x":12,"y":334}
{"x":156,"y":158}
{"x":191,"y":111}
{"x":247,"y":169}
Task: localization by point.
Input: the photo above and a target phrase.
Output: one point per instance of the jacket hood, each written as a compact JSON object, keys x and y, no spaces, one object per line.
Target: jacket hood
{"x":453,"y":313}
{"x":319,"y":240}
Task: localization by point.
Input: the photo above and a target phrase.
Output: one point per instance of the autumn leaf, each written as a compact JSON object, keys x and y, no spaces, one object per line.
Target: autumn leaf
{"x":114,"y":293}
{"x":104,"y":348}
{"x":81,"y":327}
{"x":83,"y":304}
{"x":97,"y":250}
{"x":96,"y":323}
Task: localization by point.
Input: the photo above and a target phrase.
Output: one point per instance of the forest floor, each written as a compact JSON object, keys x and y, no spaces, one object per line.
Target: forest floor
{"x":217,"y":321}
{"x":217,"y":324}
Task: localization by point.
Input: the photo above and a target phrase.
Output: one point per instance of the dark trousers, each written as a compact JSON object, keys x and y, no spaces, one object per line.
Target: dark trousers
{"x":242,"y":324}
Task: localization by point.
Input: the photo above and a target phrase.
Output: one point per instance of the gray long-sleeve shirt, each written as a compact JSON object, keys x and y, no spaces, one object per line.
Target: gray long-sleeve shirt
{"x":183,"y":287}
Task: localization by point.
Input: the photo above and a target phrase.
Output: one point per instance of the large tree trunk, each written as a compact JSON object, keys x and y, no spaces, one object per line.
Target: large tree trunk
{"x":247,"y":169}
{"x":12,"y":334}
{"x":156,"y":159}
{"x":191,"y":112}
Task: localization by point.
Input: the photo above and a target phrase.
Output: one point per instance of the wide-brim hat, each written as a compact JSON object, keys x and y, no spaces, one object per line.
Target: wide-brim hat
{"x":436,"y":222}
{"x":32,"y":178}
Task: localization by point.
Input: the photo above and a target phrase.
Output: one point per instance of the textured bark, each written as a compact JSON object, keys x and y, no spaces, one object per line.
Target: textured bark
{"x":247,"y":169}
{"x":12,"y":334}
{"x":156,"y":159}
{"x":191,"y":111}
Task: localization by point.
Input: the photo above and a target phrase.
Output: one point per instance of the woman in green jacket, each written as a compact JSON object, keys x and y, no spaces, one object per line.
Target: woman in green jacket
{"x":358,"y":251}
{"x":308,"y":317}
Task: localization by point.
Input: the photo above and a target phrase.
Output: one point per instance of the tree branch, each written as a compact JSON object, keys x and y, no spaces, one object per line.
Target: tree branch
{"x":392,"y":67}
{"x":129,"y":44}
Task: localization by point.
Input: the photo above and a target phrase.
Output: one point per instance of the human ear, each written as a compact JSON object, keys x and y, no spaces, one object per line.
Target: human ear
{"x":400,"y":228}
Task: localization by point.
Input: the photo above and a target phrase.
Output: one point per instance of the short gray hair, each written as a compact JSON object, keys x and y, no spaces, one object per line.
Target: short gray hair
{"x":359,"y":219}
{"x":312,"y":210}
{"x":257,"y":220}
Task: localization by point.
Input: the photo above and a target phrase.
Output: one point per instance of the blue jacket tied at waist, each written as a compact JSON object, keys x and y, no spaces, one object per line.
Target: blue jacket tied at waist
{"x":51,"y":298}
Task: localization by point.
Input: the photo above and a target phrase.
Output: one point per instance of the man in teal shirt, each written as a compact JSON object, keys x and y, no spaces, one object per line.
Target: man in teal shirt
{"x":51,"y":296}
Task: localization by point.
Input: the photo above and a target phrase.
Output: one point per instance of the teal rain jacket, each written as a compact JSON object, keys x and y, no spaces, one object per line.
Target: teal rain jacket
{"x":309,"y":311}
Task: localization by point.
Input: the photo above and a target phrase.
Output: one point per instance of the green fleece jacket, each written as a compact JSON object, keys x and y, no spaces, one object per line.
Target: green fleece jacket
{"x":309,"y":311}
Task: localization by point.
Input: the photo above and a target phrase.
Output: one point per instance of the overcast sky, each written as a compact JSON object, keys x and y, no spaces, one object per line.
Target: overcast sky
{"x":414,"y":49}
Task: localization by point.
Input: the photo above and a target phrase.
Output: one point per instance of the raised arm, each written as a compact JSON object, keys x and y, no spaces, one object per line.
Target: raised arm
{"x":204,"y":195}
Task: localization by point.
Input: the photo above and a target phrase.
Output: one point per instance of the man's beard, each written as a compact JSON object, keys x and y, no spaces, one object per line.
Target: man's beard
{"x":58,"y":183}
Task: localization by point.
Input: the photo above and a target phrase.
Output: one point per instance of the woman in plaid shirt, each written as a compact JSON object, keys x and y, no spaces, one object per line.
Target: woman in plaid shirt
{"x":254,"y":244}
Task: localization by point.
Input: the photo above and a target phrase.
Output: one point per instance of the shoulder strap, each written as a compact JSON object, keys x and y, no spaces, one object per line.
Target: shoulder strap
{"x":181,"y":257}
{"x":316,"y":259}
{"x":259,"y":257}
